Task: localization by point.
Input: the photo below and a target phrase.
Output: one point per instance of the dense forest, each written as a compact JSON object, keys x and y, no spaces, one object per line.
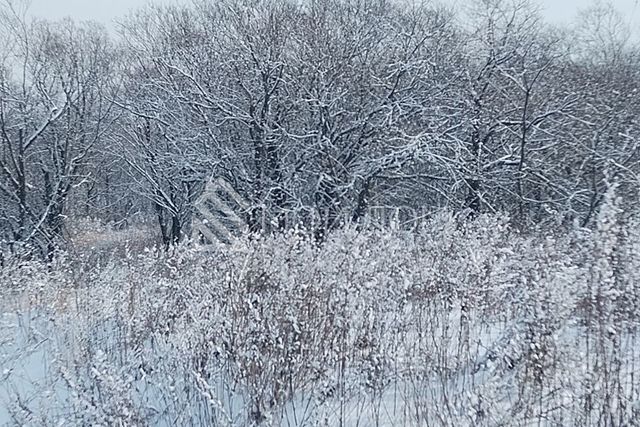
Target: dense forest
{"x":315,"y":112}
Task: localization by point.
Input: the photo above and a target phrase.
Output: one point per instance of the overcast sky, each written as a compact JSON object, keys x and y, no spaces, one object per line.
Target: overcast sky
{"x":105,"y":11}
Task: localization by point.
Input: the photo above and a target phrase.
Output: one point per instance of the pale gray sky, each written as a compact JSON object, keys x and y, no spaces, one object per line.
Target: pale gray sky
{"x":564,"y":10}
{"x":105,"y":11}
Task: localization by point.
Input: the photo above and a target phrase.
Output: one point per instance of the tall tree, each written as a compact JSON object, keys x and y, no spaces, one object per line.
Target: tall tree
{"x":53,"y":111}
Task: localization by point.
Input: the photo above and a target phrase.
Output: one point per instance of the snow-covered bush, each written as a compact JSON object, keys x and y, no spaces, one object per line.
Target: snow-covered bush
{"x":455,"y":323}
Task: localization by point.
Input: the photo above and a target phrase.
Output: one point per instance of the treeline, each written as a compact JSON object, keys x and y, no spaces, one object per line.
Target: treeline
{"x":319,"y":109}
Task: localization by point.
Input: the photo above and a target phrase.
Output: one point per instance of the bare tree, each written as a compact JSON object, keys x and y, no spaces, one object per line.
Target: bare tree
{"x":52,"y":112}
{"x":327,"y":107}
{"x":603,"y":137}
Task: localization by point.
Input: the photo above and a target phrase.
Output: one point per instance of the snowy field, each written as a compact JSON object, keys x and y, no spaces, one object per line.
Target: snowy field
{"x":452,"y":325}
{"x":429,"y":209}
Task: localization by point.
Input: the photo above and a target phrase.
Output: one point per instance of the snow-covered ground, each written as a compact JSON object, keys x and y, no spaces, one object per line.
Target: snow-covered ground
{"x":480,"y":327}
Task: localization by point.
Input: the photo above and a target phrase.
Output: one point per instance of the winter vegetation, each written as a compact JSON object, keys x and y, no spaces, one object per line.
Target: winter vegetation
{"x":431,"y":212}
{"x":458,"y":323}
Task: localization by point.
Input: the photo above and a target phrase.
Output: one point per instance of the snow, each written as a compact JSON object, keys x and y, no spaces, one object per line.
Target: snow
{"x":481,"y":327}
